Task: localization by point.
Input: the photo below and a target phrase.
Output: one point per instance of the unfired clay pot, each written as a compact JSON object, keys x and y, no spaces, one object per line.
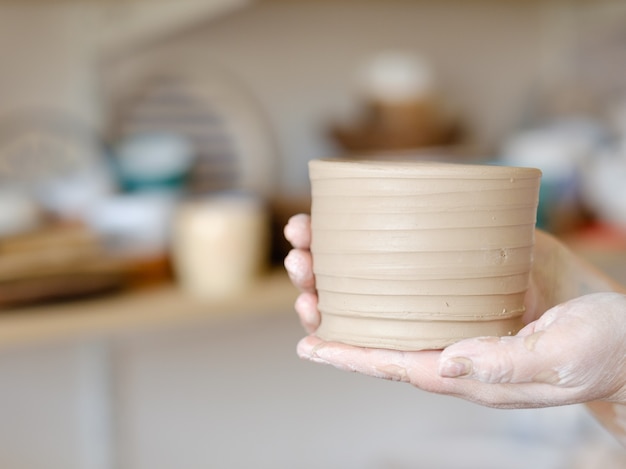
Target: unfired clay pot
{"x":410,"y":255}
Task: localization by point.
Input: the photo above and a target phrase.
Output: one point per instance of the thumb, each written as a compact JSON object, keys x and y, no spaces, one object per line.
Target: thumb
{"x":518,"y":359}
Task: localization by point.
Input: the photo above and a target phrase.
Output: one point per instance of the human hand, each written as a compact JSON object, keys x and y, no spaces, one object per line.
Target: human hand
{"x":573,"y":352}
{"x":299,"y":266}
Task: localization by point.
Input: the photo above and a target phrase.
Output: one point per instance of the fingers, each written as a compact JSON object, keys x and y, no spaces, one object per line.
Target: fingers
{"x":539,"y":353}
{"x":417,"y":368}
{"x":422,"y":370}
{"x":348,"y":358}
{"x":299,"y":266}
{"x":306,"y":307}
{"x":298,"y":262}
{"x":501,"y":360}
{"x":298,"y":231}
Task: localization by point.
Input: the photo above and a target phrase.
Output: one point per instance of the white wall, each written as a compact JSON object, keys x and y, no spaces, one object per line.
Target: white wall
{"x":54,"y":407}
{"x":49,"y":51}
{"x":299,"y":60}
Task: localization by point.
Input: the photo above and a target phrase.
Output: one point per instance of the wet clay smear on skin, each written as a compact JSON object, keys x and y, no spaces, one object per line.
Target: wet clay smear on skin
{"x":411,"y":255}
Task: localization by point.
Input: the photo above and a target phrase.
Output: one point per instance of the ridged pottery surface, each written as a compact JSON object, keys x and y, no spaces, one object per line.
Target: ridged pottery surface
{"x":414,"y":255}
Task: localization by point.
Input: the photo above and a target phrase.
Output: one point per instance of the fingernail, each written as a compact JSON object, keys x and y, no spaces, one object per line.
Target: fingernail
{"x":455,"y":367}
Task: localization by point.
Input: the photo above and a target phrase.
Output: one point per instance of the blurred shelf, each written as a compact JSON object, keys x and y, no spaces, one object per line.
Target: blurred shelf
{"x":164,"y":306}
{"x":141,"y":310}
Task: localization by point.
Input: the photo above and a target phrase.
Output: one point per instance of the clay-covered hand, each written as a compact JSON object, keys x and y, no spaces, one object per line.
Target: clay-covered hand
{"x":572,"y":350}
{"x":299,"y":266}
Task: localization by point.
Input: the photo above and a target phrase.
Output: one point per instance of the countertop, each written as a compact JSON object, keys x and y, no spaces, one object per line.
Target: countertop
{"x":157,"y":306}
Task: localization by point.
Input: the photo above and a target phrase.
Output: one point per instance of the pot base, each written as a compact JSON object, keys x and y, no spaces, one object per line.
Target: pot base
{"x":397,"y":334}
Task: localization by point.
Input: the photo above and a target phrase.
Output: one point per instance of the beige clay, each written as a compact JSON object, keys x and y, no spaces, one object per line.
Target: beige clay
{"x":413,"y":255}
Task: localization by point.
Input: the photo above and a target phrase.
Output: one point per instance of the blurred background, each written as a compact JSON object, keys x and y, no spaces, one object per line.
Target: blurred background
{"x":150,"y":154}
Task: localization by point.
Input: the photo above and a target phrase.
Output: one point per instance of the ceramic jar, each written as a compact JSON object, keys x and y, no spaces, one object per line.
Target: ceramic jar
{"x":411,"y":255}
{"x":220,"y":245}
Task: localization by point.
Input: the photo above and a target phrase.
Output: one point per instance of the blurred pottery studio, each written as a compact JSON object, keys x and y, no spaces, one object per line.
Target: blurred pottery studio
{"x":151,"y":152}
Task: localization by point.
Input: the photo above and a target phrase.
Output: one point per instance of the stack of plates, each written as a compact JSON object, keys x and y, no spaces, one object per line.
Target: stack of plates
{"x":412,"y":255}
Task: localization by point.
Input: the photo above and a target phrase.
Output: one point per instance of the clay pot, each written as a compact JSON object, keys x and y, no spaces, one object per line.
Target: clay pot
{"x":411,"y":255}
